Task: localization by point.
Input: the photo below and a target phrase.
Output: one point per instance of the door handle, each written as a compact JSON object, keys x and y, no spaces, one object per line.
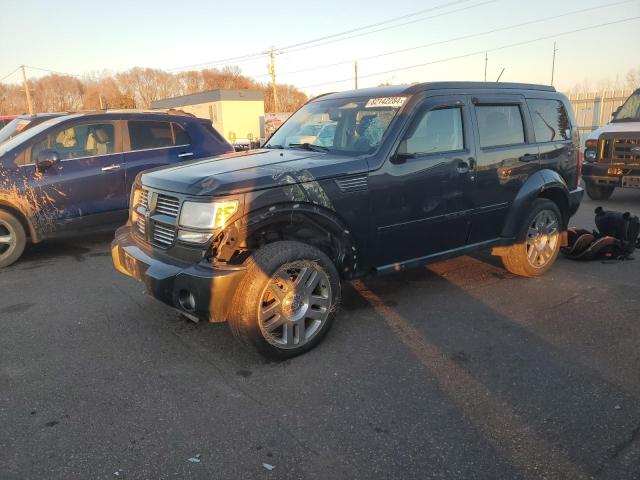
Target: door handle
{"x":185,"y":154}
{"x":111,"y":168}
{"x":528,"y":157}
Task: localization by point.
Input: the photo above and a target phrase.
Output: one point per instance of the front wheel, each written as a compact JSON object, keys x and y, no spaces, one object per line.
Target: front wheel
{"x":539,"y":251}
{"x":12,"y":239}
{"x":598,"y":192}
{"x":286,"y":302}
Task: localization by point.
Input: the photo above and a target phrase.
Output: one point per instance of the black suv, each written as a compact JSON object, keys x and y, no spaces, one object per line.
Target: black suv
{"x":408,"y":175}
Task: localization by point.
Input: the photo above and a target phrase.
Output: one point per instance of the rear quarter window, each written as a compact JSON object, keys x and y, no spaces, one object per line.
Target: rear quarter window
{"x":550,"y":120}
{"x":149,"y":134}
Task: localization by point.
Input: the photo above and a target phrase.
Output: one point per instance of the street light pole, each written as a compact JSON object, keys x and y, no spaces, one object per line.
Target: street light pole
{"x":553,"y":63}
{"x":355,"y":69}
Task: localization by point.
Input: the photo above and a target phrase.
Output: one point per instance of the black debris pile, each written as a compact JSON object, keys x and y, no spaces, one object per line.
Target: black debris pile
{"x":616,"y":237}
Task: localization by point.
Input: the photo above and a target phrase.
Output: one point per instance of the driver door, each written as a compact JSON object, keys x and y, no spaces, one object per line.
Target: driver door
{"x":89,"y":179}
{"x":422,"y":195}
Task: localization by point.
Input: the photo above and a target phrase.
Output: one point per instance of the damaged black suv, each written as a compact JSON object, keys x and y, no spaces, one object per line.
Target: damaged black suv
{"x":354,"y":183}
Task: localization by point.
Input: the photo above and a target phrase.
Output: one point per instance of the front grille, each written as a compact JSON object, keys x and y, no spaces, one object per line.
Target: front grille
{"x":621,"y":150}
{"x":141,"y":226}
{"x":167,"y":205}
{"x":144,"y":199}
{"x":163,"y":235}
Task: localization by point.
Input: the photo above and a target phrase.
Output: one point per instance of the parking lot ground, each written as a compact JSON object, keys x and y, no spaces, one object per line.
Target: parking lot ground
{"x":455,"y":371}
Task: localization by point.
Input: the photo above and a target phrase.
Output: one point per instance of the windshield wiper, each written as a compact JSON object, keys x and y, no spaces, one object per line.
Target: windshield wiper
{"x":310,"y":146}
{"x":279,"y":147}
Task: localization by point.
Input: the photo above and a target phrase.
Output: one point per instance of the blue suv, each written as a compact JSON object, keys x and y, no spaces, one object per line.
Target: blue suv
{"x":73,"y":174}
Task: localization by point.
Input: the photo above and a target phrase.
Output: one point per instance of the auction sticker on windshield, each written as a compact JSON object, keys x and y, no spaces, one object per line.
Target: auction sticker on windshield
{"x":395,"y":102}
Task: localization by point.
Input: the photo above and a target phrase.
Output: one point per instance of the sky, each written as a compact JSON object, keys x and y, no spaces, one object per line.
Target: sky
{"x":82,"y":37}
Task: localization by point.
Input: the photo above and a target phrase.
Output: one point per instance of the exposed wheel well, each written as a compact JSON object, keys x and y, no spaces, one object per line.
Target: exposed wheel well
{"x":307,"y":227}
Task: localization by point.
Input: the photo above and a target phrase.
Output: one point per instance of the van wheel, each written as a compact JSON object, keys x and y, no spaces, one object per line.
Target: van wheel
{"x":12,"y":239}
{"x":287,"y":300}
{"x":539,"y":251}
{"x":598,"y":192}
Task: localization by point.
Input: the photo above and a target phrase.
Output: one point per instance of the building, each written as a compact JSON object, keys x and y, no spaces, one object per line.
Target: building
{"x":237,"y":114}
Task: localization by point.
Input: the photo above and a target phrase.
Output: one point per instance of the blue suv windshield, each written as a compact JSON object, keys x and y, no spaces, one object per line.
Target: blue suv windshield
{"x":348,"y":126}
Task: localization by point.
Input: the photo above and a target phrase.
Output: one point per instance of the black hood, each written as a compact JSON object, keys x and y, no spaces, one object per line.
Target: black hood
{"x":254,"y":170}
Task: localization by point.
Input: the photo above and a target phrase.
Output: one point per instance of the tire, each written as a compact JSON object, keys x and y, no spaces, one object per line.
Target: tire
{"x":598,"y":192}
{"x":539,"y":251}
{"x":287,"y":300}
{"x":12,"y":239}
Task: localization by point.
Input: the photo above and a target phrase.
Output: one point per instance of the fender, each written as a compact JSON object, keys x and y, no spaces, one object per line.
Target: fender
{"x":542,"y":184}
{"x":250,"y":231}
{"x":24,"y":217}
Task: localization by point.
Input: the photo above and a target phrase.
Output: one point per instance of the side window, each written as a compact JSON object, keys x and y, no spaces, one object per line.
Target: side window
{"x":500,"y":125}
{"x":437,"y":131}
{"x":181,"y":137}
{"x":78,"y":141}
{"x":146,"y":135}
{"x":550,"y":120}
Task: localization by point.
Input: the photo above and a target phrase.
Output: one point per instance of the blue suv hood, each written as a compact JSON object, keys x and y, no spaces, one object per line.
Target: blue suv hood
{"x":254,"y":170}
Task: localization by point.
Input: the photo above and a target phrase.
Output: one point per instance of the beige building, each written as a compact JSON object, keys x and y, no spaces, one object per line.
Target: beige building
{"x":236,"y":114}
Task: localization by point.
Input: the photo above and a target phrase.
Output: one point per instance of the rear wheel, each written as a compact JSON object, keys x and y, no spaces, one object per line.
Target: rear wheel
{"x":539,"y":251}
{"x":598,"y":192}
{"x":286,"y":302}
{"x":12,"y":239}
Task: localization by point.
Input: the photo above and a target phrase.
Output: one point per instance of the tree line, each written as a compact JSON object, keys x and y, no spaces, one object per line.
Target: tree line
{"x":134,"y":88}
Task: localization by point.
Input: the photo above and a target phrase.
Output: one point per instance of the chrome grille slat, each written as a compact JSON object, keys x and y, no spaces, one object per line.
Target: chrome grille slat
{"x":163,"y":234}
{"x":167,"y":205}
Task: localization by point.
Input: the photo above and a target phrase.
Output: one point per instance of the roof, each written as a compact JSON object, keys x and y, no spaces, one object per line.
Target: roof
{"x":208,"y":97}
{"x":397,"y":90}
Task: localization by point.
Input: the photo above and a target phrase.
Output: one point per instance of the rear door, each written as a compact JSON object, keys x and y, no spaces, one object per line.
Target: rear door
{"x":153,"y":143}
{"x":507,"y":156}
{"x":89,"y":179}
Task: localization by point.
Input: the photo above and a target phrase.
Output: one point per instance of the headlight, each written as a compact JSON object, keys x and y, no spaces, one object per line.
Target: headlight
{"x":207,"y":215}
{"x":589,"y":155}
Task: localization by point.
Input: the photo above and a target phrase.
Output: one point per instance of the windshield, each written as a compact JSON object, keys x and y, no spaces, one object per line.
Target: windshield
{"x":13,"y":128}
{"x":631,"y":108}
{"x":30,"y":133}
{"x":347,"y":126}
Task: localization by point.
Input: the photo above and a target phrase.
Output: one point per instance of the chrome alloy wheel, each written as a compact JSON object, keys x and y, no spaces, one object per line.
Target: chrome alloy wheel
{"x":295,"y":304}
{"x":7,"y":238}
{"x":542,"y":238}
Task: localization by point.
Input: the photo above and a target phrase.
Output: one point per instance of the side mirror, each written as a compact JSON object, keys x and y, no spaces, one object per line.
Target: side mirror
{"x":401,"y":155}
{"x":47,"y":158}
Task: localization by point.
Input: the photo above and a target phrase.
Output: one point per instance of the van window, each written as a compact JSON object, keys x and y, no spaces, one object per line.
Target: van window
{"x":499,"y":125}
{"x":77,"y":141}
{"x":437,"y":131}
{"x":550,"y":120}
{"x":144,"y":135}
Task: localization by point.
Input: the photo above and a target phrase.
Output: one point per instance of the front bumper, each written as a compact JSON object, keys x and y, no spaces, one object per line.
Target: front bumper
{"x":575,"y":197}
{"x":199,"y":290}
{"x":599,"y":173}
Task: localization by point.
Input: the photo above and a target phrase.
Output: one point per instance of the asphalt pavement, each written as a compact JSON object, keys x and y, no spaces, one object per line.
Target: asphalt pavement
{"x":454,"y":371}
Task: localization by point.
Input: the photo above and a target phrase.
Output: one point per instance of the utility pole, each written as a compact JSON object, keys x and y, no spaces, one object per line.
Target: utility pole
{"x":553,"y":63}
{"x":101,"y":103}
{"x":26,"y":90}
{"x":272,"y":72}
{"x":355,"y":70}
{"x":486,"y":59}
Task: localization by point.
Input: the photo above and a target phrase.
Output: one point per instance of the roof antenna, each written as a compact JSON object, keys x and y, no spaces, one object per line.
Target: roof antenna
{"x":499,"y":76}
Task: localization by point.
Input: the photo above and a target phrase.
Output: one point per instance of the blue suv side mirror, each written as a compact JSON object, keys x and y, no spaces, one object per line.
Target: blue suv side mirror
{"x":47,"y":158}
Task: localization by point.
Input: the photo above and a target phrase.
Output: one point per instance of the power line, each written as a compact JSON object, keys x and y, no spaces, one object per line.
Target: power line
{"x":372,"y":25}
{"x":484,"y":50}
{"x":454,"y":39}
{"x":7,"y":76}
{"x":468,"y":7}
{"x":56,"y":72}
{"x":307,"y":44}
